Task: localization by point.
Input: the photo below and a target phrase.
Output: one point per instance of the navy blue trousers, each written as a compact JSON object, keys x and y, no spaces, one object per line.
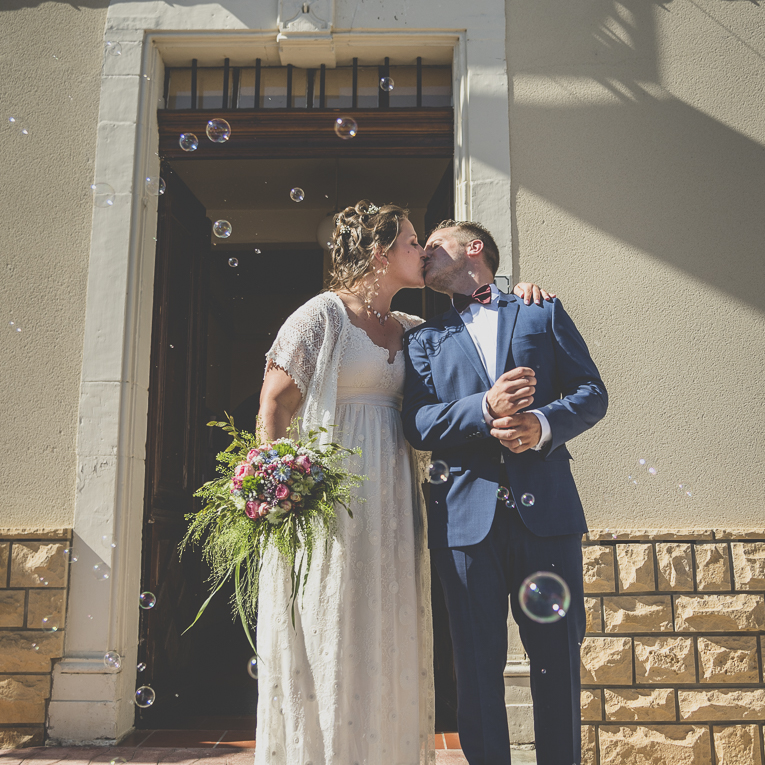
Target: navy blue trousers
{"x":477,"y":581}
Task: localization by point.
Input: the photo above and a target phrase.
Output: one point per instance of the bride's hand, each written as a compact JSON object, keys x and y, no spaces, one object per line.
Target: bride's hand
{"x":527,"y":291}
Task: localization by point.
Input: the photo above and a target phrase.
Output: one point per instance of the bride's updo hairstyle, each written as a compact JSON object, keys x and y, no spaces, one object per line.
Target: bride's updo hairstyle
{"x":360,"y":231}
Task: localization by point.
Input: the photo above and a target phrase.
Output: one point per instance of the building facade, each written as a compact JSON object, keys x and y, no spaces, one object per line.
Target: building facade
{"x":615,"y":149}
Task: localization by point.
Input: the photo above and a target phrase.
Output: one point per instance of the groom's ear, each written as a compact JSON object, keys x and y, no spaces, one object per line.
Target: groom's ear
{"x":474,"y":247}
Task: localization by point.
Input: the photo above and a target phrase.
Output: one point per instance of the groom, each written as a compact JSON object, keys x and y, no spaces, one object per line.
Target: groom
{"x":471,"y":377}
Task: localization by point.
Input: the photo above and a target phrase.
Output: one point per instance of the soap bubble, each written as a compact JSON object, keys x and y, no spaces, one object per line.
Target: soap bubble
{"x":510,"y":504}
{"x":50,"y":624}
{"x":36,"y":647}
{"x":438,"y":472}
{"x":544,"y":597}
{"x":118,"y":761}
{"x":101,"y":571}
{"x":632,"y":480}
{"x":24,"y":131}
{"x":144,"y":697}
{"x":652,"y":470}
{"x":218,"y":131}
{"x":188,"y":142}
{"x":528,"y":500}
{"x":112,"y":48}
{"x":345,"y":127}
{"x":112,"y":660}
{"x":252,"y":667}
{"x":641,"y":461}
{"x":103,"y":194}
{"x":297,"y":194}
{"x":257,"y":251}
{"x":387,"y":84}
{"x":147,"y":600}
{"x":685,"y":489}
{"x":502,"y":494}
{"x":222,"y":229}
{"x":155,"y":186}
{"x":141,"y":667}
{"x":11,"y":119}
{"x":233,"y":262}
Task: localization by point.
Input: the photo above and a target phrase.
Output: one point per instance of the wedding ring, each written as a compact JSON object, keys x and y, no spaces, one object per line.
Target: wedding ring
{"x":520,"y":442}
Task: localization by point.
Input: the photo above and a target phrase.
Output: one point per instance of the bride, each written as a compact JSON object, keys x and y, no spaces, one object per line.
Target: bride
{"x":352,"y":681}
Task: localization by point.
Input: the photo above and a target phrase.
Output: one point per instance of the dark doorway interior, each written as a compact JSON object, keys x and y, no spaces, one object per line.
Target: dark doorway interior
{"x":218,"y":307}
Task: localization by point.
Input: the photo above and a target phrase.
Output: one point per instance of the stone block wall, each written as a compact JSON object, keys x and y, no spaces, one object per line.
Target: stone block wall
{"x":34,"y":573}
{"x":672,"y":664}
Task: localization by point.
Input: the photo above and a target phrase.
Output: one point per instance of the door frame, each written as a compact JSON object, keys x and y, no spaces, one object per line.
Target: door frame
{"x":91,"y":703}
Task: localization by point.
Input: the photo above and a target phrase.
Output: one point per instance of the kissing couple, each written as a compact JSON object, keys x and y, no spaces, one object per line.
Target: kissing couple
{"x":352,"y":682}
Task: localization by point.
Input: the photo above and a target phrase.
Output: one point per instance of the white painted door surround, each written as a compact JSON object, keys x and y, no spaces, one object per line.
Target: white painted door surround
{"x":90,"y":702}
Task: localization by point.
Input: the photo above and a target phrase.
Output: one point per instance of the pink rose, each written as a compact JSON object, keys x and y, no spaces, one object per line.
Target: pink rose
{"x":282,"y":491}
{"x":242,"y":471}
{"x":264,"y":509}
{"x":252,"y":454}
{"x":303,"y":462}
{"x":285,"y":505}
{"x":251,"y":509}
{"x":237,"y":482}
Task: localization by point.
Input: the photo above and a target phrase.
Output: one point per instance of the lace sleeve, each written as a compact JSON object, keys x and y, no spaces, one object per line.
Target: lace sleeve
{"x":408,"y":321}
{"x":299,"y":342}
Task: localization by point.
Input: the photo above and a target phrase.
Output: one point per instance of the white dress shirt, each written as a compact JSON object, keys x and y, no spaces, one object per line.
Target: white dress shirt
{"x":481,"y":323}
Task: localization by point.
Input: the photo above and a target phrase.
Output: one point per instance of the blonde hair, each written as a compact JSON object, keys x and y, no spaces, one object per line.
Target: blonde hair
{"x":360,"y":232}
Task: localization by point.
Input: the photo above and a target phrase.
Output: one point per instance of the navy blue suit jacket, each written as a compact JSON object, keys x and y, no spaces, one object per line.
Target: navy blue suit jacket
{"x":443,"y":392}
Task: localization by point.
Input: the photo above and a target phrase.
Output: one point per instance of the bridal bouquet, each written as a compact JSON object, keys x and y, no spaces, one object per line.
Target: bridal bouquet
{"x":282,"y":493}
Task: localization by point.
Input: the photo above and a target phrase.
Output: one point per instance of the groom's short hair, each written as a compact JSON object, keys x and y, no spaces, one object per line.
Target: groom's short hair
{"x":467,"y":231}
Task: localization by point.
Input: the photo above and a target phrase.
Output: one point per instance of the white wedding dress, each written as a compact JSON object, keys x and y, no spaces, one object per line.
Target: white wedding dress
{"x":352,"y":682}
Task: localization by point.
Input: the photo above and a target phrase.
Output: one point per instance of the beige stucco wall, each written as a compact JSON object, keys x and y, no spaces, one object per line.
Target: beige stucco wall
{"x":50,"y":59}
{"x":637,"y":139}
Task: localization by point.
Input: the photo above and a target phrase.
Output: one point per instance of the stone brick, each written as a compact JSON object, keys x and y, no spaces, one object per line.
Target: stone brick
{"x":589,"y":749}
{"x":748,"y":565}
{"x":739,"y":533}
{"x":628,"y":705}
{"x":719,"y":613}
{"x":728,"y":660}
{"x":592,"y":706}
{"x":598,"y":568}
{"x":664,"y":660}
{"x":22,"y":736}
{"x":737,"y":745}
{"x":12,"y":608}
{"x":35,"y":563}
{"x":648,"y":535}
{"x":35,"y":533}
{"x":722,"y":704}
{"x":4,"y":552}
{"x":675,"y":566}
{"x":592,"y":612}
{"x":712,"y":567}
{"x":635,"y":566}
{"x":638,"y":613}
{"x":44,"y":603}
{"x":22,"y":698}
{"x":655,"y":745}
{"x":18,"y":654}
{"x":606,"y":661}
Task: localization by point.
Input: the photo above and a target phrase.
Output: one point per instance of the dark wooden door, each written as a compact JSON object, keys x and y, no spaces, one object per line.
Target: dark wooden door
{"x":174,"y":451}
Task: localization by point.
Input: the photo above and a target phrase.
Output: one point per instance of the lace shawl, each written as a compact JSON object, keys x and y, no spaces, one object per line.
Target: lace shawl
{"x":309,"y":348}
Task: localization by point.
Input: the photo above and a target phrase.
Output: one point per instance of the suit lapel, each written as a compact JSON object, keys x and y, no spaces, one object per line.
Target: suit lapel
{"x":508,"y":314}
{"x":454,"y":325}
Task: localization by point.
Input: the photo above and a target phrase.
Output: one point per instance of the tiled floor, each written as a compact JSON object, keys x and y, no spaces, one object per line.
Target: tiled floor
{"x":185,"y":747}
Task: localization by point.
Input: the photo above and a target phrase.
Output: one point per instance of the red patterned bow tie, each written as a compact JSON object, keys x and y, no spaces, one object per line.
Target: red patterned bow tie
{"x":481,"y":295}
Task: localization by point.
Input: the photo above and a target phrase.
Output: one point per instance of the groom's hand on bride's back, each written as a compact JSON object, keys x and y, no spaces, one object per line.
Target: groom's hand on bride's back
{"x":513,"y":391}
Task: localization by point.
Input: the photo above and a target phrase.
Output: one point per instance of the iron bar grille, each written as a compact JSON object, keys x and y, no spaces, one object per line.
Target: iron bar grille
{"x":288,"y":87}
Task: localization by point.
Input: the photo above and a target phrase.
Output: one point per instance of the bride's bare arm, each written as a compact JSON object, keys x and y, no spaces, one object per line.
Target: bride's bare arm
{"x":280,"y":398}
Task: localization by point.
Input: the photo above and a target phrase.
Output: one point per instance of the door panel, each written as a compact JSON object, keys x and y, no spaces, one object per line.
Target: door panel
{"x":174,"y":448}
